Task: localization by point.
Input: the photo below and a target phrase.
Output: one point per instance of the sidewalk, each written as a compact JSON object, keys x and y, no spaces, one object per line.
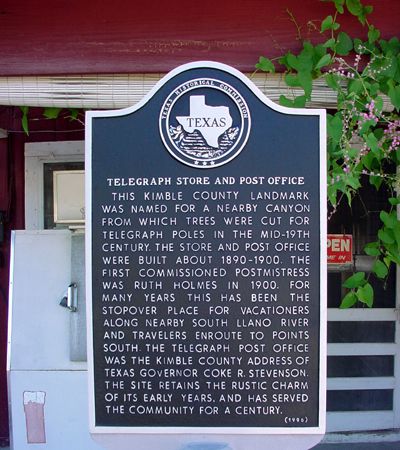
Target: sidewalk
{"x":360,"y":446}
{"x":343,"y":446}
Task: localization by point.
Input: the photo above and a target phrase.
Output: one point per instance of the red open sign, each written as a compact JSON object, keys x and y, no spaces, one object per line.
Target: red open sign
{"x":340,"y":248}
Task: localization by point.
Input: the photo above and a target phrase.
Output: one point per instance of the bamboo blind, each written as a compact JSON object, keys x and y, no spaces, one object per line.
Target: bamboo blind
{"x":120,"y":91}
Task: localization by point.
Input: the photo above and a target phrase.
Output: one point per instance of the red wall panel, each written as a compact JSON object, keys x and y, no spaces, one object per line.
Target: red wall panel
{"x":58,"y":37}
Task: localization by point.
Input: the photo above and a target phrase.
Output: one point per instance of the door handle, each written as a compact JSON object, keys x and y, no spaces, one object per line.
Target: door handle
{"x":70,"y":300}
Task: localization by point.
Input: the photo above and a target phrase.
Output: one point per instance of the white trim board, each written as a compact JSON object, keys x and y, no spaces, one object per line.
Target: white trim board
{"x":36,"y":155}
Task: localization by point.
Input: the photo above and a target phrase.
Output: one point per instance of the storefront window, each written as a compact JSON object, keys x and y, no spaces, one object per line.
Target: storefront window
{"x":48,"y":170}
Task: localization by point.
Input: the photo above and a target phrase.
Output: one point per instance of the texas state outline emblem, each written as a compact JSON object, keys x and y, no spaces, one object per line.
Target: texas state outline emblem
{"x":204,"y":123}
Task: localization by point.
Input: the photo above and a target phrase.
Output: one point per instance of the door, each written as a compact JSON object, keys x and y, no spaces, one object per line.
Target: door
{"x":363,"y":343}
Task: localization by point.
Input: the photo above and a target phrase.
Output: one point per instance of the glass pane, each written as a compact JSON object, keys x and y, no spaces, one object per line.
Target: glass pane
{"x":48,"y":170}
{"x":360,"y":366}
{"x":362,"y":218}
{"x":360,"y":400}
{"x":334,"y":289}
{"x":384,"y":291}
{"x":362,"y":221}
{"x":361,"y":331}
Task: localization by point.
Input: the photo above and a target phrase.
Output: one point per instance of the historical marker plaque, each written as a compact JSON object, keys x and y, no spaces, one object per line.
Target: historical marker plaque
{"x":206,"y":260}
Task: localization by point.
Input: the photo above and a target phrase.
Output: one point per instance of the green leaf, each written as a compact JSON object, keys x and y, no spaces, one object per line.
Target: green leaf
{"x":24,"y":122}
{"x":292,"y":80}
{"x":305,"y":80}
{"x":335,"y":127}
{"x":327,"y":24}
{"x":292,"y":61}
{"x":265,"y":64}
{"x":284,"y":101}
{"x":332,"y":194}
{"x":354,"y":7}
{"x":376,"y":181}
{"x":300,"y":101}
{"x":368,"y":9}
{"x":373,"y":34}
{"x":394,"y":201}
{"x":358,"y":45}
{"x":366,"y":126}
{"x":330,"y":43}
{"x":380,"y":269}
{"x":355,"y":281}
{"x":378,"y":103}
{"x":394,"y":95}
{"x":379,"y":133}
{"x":318,"y":52}
{"x":372,"y":249}
{"x":349,"y":300}
{"x":24,"y":119}
{"x":353,"y":152}
{"x":390,"y":220}
{"x":385,"y":236}
{"x":372,"y":142}
{"x":353,"y":181}
{"x":365,"y":11}
{"x":339,"y":5}
{"x":324,"y":61}
{"x":348,"y":196}
{"x":356,"y":86}
{"x":332,"y":81}
{"x":366,"y":294}
{"x":393,"y":256}
{"x":396,"y":232}
{"x":344,"y":44}
{"x":373,"y":88}
{"x":387,"y":260}
{"x":283,"y":60}
{"x":51,"y":113}
{"x":74,"y":113}
{"x":305,"y":59}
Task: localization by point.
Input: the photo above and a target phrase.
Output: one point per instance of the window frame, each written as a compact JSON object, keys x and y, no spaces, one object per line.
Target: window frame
{"x":36,"y":155}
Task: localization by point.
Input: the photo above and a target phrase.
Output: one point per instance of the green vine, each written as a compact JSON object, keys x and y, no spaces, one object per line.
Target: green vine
{"x":364,"y":133}
{"x":49,"y":113}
